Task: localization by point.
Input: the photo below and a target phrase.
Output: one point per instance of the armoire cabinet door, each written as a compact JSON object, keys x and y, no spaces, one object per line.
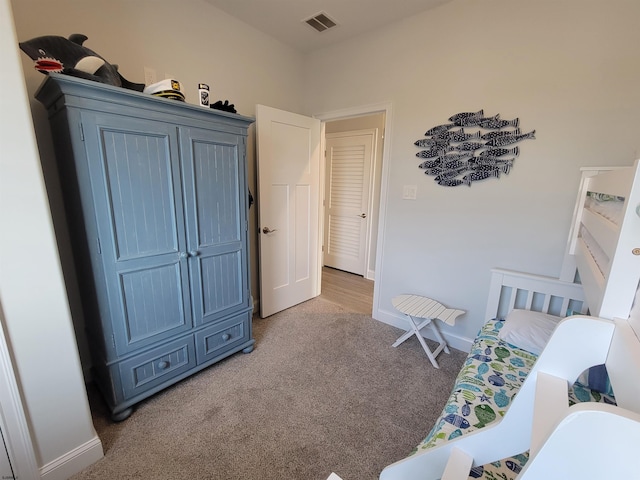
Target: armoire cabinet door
{"x":214,"y":190}
{"x":135,"y":176}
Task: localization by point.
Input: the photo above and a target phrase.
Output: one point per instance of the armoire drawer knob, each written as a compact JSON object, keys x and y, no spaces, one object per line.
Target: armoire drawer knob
{"x":226,"y":337}
{"x":163,"y":364}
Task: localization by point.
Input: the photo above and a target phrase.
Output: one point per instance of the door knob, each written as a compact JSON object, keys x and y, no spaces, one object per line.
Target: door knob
{"x":363,"y":215}
{"x":268,"y":230}
{"x":194,"y":253}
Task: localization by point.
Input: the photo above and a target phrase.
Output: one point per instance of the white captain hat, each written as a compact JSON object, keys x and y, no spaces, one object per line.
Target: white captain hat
{"x":167,"y":88}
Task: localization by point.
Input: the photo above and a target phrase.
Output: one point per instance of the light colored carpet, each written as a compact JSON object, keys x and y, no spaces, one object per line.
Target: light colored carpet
{"x":323,"y":391}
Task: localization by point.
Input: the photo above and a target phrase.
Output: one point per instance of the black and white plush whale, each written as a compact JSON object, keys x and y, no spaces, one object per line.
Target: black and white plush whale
{"x":52,"y":53}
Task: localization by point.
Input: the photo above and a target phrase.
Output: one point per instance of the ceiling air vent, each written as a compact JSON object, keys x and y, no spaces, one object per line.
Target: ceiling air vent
{"x":320,"y":22}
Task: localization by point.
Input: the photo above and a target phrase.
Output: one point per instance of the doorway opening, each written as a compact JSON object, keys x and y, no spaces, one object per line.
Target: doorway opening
{"x":352,"y":292}
{"x":352,"y":174}
{"x":300,"y":236}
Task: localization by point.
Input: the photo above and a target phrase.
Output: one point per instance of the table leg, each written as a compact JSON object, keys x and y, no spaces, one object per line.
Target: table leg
{"x":441,"y":340}
{"x":414,"y":329}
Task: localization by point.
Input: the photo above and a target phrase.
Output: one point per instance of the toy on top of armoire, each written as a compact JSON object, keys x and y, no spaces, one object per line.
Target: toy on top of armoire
{"x":55,"y":54}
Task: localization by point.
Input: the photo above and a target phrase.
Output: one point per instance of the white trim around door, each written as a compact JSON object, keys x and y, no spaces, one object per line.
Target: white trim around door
{"x":372,"y":109}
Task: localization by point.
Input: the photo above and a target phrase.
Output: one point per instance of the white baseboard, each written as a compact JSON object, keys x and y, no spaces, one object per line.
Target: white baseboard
{"x":74,"y":461}
{"x":398,"y":320}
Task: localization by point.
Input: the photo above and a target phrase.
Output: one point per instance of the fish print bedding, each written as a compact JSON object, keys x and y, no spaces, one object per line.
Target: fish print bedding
{"x":485,"y":387}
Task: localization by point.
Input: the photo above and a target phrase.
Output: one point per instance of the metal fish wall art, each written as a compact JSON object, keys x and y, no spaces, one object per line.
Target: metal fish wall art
{"x":499,"y":133}
{"x":470,"y":148}
{"x":499,"y":152}
{"x":495,"y":123}
{"x":460,"y":136}
{"x":509,"y":139}
{"x":458,"y":116}
{"x":439,"y":128}
{"x":431,"y":142}
{"x":433,"y":152}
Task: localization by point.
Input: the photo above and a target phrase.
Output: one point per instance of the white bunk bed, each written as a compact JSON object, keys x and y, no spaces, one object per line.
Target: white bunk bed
{"x":586,"y":440}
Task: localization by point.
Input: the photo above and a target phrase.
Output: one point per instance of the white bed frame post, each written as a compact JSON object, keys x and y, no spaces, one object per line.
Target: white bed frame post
{"x":569,"y":267}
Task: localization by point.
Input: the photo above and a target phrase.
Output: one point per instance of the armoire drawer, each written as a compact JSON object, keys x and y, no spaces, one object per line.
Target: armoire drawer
{"x":221,"y":337}
{"x":157,"y":366}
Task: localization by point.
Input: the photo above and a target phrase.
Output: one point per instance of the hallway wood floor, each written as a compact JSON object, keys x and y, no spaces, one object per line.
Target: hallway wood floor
{"x":353,"y":292}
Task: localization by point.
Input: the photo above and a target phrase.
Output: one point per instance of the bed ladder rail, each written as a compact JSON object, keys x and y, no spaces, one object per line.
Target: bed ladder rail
{"x":515,"y":432}
{"x":550,"y":406}
{"x":592,"y":441}
{"x":570,"y":442}
{"x":458,"y":465}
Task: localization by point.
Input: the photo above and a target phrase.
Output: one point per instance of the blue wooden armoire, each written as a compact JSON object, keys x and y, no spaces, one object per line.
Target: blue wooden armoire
{"x":155,"y":195}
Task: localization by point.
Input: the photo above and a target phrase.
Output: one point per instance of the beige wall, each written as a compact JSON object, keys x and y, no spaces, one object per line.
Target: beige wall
{"x":568,"y":69}
{"x":35,"y":313}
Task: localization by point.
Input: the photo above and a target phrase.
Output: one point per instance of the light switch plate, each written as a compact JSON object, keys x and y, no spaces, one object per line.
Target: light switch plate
{"x":409,"y":192}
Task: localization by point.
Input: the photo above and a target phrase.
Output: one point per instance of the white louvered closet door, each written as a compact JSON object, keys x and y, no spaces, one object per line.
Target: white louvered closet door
{"x":347,"y":216}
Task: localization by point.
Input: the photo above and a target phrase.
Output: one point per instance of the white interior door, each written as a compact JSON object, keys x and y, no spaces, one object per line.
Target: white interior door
{"x":348,"y":178}
{"x":288,"y":147}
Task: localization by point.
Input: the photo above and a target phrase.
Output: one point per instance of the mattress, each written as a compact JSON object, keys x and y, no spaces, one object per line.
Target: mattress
{"x":485,"y":387}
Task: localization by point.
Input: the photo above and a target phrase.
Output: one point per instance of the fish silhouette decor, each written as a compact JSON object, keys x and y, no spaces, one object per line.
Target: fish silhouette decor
{"x":470,"y":148}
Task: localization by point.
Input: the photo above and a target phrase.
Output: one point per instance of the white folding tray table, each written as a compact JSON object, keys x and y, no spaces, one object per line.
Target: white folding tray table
{"x":416,"y":308}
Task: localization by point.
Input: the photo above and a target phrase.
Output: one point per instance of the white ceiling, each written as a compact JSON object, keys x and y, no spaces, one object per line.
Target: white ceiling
{"x":284,"y":19}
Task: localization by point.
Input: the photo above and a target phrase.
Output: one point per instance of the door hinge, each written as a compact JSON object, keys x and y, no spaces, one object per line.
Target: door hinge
{"x":246,"y":226}
{"x":99,"y":246}
{"x":322,"y":250}
{"x":113,"y":341}
{"x":81,"y":132}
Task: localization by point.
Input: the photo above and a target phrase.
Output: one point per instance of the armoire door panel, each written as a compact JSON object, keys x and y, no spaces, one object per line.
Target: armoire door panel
{"x":221,"y":279}
{"x":152,"y":303}
{"x":140,"y":193}
{"x":216,"y":193}
{"x":216,"y":225}
{"x":138,"y":200}
{"x":211,"y":183}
